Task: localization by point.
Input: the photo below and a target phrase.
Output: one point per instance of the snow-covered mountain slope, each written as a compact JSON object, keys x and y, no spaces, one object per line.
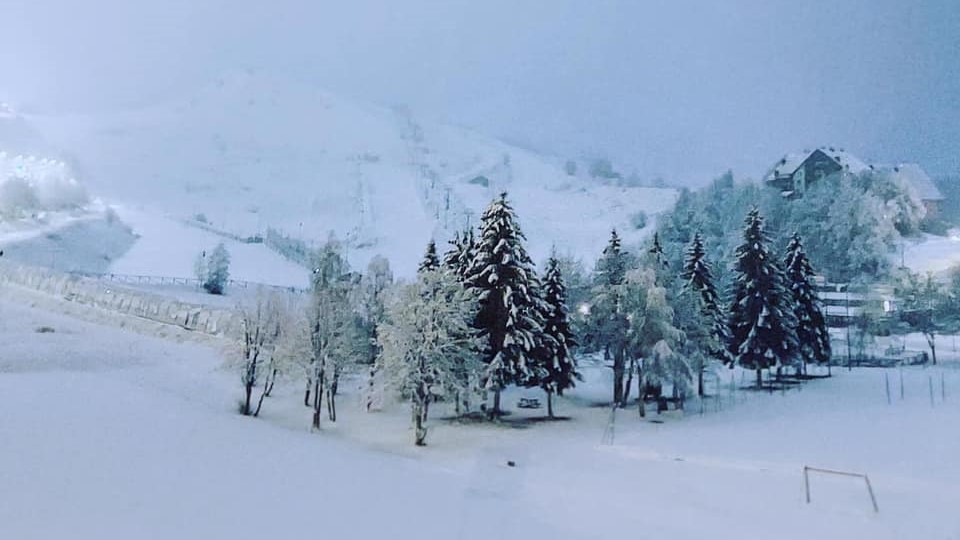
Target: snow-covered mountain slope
{"x":251,"y":153}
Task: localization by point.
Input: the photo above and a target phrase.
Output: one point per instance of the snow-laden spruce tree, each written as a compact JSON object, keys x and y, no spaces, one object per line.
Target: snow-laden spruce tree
{"x":559,"y":364}
{"x":813,"y":339}
{"x":608,"y":324}
{"x":430,"y":261}
{"x":506,"y":286}
{"x":761,"y":319}
{"x":459,"y":258}
{"x":213,"y":269}
{"x":657,"y":254}
{"x":704,"y":328}
{"x":427,"y":340}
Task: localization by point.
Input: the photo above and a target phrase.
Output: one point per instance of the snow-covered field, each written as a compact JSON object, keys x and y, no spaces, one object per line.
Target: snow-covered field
{"x":168,"y":247}
{"x":132,"y":432}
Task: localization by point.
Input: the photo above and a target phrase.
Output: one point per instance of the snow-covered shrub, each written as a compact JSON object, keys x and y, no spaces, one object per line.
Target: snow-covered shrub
{"x":30,"y":185}
{"x":17,"y":199}
{"x":638,"y":220}
{"x":60,"y":193}
{"x":213,"y":270}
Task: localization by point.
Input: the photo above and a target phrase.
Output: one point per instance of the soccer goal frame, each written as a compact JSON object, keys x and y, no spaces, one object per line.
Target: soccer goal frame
{"x":806,"y":482}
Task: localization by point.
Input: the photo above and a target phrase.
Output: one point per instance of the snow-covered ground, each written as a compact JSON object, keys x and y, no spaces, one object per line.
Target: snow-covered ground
{"x":116,"y":433}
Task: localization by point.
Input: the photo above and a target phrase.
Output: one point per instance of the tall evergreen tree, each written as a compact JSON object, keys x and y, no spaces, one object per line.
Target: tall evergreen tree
{"x":761,"y":318}
{"x":608,"y":318}
{"x":559,"y":364}
{"x":459,"y":257}
{"x":507,"y":288}
{"x":656,"y":252}
{"x":812,"y":335}
{"x":705,"y":330}
{"x":430,"y":260}
{"x":451,"y":258}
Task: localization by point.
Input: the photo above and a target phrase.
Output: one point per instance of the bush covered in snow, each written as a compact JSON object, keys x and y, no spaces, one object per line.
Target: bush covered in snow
{"x":30,"y":185}
{"x":17,"y":199}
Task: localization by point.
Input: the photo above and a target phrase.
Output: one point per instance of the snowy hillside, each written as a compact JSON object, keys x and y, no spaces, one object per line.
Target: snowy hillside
{"x":250,"y":153}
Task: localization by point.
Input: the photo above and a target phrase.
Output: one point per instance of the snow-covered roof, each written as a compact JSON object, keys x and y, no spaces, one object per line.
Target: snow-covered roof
{"x":789,"y":163}
{"x":848,"y":161}
{"x":920,"y":180}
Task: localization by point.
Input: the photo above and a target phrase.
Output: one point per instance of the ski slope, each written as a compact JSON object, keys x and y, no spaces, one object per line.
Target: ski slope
{"x":250,"y":152}
{"x":168,"y":247}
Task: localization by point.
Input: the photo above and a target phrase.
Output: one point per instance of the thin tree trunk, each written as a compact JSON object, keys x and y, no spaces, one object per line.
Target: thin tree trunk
{"x":759,"y":378}
{"x":931,"y":340}
{"x":306,"y":393}
{"x":272,"y":378}
{"x":331,"y":404}
{"x":370,"y":386}
{"x":641,"y":403}
{"x":248,"y":389}
{"x":629,"y":382}
{"x":420,"y":430}
{"x":700,"y":381}
{"x":496,"y":404}
{"x":618,"y":368}
{"x":549,"y":404}
{"x":317,"y":401}
{"x":265,"y":393}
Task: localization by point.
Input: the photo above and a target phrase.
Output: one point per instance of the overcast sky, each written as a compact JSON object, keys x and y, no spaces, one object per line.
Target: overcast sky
{"x":679,"y":89}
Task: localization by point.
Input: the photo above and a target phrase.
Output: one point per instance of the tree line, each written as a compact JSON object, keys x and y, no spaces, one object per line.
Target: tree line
{"x":479,"y":318}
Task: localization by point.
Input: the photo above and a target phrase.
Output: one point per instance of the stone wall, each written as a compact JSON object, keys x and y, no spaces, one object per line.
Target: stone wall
{"x":110,"y":296}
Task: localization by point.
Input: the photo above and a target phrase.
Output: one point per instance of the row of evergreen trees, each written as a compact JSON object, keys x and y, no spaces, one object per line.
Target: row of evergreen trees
{"x":775,"y":319}
{"x":479,"y":319}
{"x":667,"y":327}
{"x":521,"y":321}
{"x":474,"y":322}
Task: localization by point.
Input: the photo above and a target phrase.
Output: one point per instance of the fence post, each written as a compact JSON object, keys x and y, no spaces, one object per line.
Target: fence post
{"x":806,"y":481}
{"x":930,"y":383}
{"x":901,"y":382}
{"x":886,"y":381}
{"x":943,"y":387}
{"x":873,"y":498}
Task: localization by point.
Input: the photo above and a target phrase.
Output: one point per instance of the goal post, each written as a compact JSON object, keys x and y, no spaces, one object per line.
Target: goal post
{"x":866,"y":479}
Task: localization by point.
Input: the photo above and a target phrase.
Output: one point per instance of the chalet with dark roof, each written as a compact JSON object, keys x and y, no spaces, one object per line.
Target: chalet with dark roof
{"x":794,"y":172}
